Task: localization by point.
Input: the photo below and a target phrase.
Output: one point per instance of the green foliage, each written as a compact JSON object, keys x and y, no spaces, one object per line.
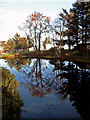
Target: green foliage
{"x":21,"y":42}
{"x":11,"y":101}
{"x":16,"y":42}
{"x":77,"y":23}
{"x":17,"y":63}
{"x":11,"y":44}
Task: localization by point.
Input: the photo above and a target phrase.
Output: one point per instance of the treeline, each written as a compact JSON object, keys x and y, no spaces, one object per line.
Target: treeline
{"x":71,"y":28}
{"x":16,"y":43}
{"x":77,"y":22}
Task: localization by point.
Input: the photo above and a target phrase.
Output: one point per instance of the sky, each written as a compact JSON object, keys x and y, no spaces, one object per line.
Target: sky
{"x":13,"y":13}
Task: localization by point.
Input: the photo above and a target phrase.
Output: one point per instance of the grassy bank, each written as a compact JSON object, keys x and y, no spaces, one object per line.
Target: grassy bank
{"x":52,"y":54}
{"x":7,"y":55}
{"x":65,"y":55}
{"x":77,"y":56}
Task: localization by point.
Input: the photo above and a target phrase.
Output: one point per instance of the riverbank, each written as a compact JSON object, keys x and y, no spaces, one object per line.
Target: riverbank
{"x":64,"y":55}
{"x":49,"y":54}
{"x":7,"y":55}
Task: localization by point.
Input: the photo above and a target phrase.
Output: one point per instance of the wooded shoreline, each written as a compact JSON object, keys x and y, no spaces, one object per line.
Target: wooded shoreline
{"x":65,"y":55}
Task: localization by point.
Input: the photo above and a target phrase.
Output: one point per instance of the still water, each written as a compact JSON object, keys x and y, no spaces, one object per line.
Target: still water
{"x":39,"y":88}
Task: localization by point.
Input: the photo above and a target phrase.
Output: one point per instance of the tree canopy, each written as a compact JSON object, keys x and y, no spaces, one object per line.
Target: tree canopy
{"x":35,"y":25}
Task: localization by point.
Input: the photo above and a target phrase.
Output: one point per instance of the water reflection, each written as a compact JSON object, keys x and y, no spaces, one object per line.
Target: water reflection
{"x":45,"y":77}
{"x":17,"y":63}
{"x":36,"y":81}
{"x":77,"y":86}
{"x":11,"y":101}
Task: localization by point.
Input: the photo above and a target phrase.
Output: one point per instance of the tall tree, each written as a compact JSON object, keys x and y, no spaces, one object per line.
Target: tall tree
{"x":67,"y":19}
{"x":77,"y":23}
{"x":35,"y":25}
{"x":81,"y":22}
{"x":16,"y":38}
{"x":84,"y":21}
{"x":57,"y":30}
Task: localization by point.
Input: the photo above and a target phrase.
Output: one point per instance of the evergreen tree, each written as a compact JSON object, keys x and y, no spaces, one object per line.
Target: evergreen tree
{"x":77,"y":24}
{"x":67,"y":19}
{"x":81,"y":22}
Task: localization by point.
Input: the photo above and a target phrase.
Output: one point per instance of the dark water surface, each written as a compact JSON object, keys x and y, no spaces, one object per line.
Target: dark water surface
{"x":45,"y":89}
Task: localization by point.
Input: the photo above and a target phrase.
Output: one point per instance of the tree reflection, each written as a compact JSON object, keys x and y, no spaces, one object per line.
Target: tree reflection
{"x":77,"y":87}
{"x":17,"y":63}
{"x":11,"y":101}
{"x":40,"y":80}
{"x":35,"y":82}
{"x":64,"y":78}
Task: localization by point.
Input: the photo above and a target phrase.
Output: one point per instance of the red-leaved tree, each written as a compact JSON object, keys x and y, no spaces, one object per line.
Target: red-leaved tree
{"x":35,"y":25}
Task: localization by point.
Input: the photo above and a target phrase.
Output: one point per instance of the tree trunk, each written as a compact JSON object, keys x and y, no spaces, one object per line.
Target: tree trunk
{"x":39,"y":41}
{"x":69,"y":42}
{"x":35,"y":41}
{"x":77,"y":37}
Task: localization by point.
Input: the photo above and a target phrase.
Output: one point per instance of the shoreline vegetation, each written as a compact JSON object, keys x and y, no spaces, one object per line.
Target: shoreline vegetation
{"x":67,"y":55}
{"x":69,"y":28}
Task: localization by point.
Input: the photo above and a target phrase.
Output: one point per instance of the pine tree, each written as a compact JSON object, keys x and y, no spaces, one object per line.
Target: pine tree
{"x":67,"y":19}
{"x":81,"y":22}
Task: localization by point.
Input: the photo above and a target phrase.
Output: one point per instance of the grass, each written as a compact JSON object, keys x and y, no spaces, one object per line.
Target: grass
{"x":81,"y":56}
{"x":27,"y":52}
{"x":7,"y":55}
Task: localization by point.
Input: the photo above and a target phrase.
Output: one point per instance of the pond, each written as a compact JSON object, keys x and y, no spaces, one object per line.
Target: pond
{"x":40,"y":88}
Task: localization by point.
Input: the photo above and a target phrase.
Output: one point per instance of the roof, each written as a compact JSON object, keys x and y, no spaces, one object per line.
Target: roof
{"x":2,"y":42}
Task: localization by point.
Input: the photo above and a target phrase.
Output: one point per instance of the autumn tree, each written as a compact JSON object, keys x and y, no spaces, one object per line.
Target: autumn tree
{"x":16,"y":42}
{"x":10,"y":44}
{"x":16,"y":39}
{"x":35,"y":25}
{"x":22,"y":43}
{"x":46,"y":41}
